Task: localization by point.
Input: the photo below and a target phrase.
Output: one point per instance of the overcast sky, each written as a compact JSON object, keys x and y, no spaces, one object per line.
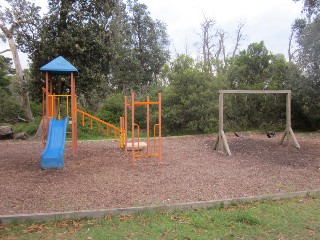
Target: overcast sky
{"x":265,"y":20}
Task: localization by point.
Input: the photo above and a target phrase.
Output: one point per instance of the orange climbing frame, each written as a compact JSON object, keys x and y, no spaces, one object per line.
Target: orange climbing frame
{"x":157,"y":142}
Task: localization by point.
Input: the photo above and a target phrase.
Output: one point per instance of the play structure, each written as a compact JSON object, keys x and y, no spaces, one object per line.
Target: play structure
{"x":136,"y":146}
{"x":60,"y":111}
{"x":222,"y":144}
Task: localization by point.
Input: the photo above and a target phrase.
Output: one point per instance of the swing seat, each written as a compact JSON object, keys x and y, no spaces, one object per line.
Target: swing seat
{"x":142,"y":145}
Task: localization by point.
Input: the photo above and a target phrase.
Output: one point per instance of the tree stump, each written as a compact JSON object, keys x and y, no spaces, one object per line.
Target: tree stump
{"x":6,"y":132}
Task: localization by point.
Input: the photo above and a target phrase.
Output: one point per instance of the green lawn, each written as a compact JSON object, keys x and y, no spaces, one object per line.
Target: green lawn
{"x":297,"y":218}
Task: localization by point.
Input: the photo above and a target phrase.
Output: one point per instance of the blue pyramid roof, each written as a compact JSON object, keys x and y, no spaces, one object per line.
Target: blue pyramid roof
{"x":59,"y":66}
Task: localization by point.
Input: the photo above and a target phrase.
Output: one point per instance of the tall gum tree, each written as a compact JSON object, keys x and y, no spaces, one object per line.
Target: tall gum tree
{"x":16,"y":21}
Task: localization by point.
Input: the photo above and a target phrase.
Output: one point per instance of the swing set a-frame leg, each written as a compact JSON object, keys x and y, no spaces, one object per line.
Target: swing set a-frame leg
{"x":288,"y":133}
{"x":221,"y":144}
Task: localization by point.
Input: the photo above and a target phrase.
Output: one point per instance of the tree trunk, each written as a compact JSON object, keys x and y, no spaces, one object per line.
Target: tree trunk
{"x":40,"y":134}
{"x":22,"y":82}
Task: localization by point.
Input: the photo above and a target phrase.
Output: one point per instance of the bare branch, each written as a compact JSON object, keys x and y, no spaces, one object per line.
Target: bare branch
{"x":6,"y":50}
{"x":239,"y":37}
{"x":290,"y":45}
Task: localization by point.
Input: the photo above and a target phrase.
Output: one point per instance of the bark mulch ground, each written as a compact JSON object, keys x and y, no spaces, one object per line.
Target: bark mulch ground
{"x":102,"y":176}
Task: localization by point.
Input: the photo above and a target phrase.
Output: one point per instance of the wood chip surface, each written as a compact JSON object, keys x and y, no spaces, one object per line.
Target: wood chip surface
{"x":101,"y":175}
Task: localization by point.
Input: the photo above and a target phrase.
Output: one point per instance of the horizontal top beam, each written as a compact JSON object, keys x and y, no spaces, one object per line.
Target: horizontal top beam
{"x":256,"y":91}
{"x":143,"y":103}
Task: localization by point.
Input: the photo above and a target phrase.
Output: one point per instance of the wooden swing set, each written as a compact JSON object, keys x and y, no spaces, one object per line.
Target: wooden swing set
{"x":222,"y":144}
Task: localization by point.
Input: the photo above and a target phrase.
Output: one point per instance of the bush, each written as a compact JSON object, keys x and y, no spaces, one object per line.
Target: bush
{"x":9,"y":106}
{"x":112,"y":109}
{"x":190,"y":102}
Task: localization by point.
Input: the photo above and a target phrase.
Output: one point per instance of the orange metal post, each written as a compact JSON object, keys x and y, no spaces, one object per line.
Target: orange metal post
{"x":148,"y":125}
{"x":47,"y":100}
{"x":121,"y":133}
{"x":160,"y":127}
{"x":52,"y":107}
{"x":73,"y":115}
{"x":125,"y":124}
{"x":51,"y":99}
{"x":132,"y":126}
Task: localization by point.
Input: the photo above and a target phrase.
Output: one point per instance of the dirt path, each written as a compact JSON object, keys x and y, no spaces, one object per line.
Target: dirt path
{"x":101,"y":176}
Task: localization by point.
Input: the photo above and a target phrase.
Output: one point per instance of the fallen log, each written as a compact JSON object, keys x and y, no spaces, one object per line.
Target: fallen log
{"x":6,"y":132}
{"x":21,"y":136}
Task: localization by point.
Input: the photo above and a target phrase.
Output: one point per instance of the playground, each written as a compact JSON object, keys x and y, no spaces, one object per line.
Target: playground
{"x":130,"y":171}
{"x":102,"y":176}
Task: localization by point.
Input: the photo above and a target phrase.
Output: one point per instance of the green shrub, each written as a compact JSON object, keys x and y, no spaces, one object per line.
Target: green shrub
{"x":9,"y":106}
{"x":112,"y":109}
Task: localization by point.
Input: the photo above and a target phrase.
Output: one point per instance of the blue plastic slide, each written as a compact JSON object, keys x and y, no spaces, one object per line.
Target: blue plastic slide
{"x":52,"y":156}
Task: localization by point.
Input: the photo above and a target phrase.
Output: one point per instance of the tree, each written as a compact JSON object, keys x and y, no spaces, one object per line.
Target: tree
{"x":307,"y":58}
{"x":101,"y":39}
{"x":213,"y":44}
{"x":257,"y":68}
{"x":78,"y":30}
{"x":206,"y":44}
{"x":311,"y":7}
{"x":249,"y":68}
{"x":18,"y":20}
{"x":141,"y":48}
{"x":296,"y":29}
{"x":190,"y":102}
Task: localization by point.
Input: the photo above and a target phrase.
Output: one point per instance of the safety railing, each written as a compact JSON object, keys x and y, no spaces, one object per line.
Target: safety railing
{"x":55,"y":101}
{"x":58,"y":100}
{"x":116,"y":130}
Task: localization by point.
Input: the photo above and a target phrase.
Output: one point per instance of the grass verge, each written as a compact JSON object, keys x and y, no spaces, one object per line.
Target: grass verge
{"x":296,"y":218}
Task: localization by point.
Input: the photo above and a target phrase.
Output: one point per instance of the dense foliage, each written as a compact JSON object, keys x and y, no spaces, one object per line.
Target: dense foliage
{"x":190,"y":101}
{"x":9,"y":105}
{"x":117,"y":48}
{"x":307,"y":86}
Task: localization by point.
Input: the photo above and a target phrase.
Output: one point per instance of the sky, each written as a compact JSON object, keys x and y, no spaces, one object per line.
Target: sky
{"x":265,"y":20}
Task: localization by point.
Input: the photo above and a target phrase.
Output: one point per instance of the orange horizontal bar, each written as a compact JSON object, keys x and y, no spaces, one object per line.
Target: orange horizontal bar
{"x":57,"y":95}
{"x":143,"y":103}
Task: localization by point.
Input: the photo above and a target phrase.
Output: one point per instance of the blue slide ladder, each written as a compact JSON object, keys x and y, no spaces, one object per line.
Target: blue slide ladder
{"x":52,"y":156}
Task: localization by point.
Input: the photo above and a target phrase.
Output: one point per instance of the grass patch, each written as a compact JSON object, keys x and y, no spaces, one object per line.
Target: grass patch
{"x":29,"y":127}
{"x":296,"y":218}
